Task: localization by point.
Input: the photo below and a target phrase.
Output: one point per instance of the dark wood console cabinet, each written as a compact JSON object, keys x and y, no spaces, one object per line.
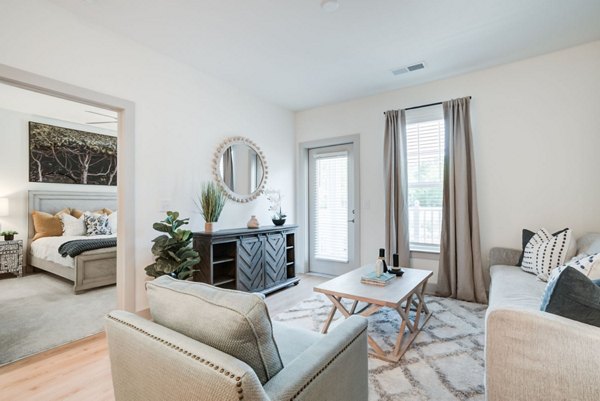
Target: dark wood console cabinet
{"x":256,"y":260}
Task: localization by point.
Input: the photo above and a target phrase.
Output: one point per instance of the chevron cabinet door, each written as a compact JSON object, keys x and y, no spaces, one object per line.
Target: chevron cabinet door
{"x":250,"y":269}
{"x":275,"y":271}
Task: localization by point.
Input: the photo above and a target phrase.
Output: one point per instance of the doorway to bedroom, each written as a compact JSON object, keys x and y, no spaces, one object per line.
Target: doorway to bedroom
{"x":58,"y":216}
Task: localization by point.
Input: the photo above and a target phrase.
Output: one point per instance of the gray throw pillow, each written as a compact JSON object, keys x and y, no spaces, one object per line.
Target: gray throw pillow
{"x":573,"y":295}
{"x":233,"y":322}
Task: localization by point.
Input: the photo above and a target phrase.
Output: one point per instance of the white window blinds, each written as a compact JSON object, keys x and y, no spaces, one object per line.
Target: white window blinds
{"x":330,"y":200}
{"x":425,"y":163}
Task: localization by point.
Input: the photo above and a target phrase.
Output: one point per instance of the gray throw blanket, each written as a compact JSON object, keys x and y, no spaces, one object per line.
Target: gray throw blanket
{"x":77,"y":246}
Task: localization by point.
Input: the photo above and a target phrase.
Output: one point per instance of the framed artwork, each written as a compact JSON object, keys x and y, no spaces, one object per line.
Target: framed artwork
{"x":69,"y":156}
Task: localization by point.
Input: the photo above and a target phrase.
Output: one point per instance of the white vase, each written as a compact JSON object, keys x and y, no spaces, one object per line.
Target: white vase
{"x":253,"y":222}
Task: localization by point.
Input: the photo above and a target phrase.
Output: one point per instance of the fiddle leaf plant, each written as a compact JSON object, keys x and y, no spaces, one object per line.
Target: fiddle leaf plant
{"x":173,"y":253}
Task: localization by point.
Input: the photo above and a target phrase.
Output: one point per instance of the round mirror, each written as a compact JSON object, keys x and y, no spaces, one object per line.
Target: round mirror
{"x":240,"y":169}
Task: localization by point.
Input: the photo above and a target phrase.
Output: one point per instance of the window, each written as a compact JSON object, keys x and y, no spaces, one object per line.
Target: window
{"x":425,"y":163}
{"x":330,"y":203}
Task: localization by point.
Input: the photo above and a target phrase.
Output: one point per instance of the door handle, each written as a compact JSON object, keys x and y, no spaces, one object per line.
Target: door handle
{"x":351,"y":221}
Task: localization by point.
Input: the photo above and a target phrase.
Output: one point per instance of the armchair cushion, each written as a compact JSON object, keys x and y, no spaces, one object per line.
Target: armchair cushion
{"x":233,"y":322}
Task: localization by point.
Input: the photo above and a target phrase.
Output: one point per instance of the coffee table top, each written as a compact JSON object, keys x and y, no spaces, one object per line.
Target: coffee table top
{"x":349,"y":286}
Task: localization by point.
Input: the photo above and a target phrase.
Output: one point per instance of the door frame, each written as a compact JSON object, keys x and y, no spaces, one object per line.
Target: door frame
{"x":126,"y":268}
{"x":302,"y":191}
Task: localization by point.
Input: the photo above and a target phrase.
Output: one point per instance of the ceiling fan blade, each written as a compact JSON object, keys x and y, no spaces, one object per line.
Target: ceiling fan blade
{"x":100,"y":114}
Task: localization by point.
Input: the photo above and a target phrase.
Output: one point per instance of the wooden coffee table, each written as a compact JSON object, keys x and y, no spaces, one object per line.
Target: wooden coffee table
{"x":402,"y":294}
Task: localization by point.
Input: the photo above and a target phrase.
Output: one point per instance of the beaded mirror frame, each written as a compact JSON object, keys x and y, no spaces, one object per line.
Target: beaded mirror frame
{"x":239,"y":140}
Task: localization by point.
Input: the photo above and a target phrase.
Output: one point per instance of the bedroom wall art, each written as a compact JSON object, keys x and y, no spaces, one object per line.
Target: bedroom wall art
{"x":68,"y":156}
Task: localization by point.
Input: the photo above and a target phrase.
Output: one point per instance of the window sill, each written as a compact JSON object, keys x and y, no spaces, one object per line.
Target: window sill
{"x":424,"y":253}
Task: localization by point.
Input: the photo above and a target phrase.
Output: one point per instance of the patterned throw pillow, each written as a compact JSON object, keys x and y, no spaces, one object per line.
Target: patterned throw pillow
{"x":96,"y":224}
{"x":588,"y":265}
{"x":545,"y":252}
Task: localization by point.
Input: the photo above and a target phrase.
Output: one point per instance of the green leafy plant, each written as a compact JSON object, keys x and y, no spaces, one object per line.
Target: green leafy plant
{"x":174,"y":255}
{"x":211,"y":202}
{"x":8,"y":232}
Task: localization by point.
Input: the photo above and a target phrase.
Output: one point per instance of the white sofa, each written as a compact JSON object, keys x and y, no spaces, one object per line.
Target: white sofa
{"x":533,"y":355}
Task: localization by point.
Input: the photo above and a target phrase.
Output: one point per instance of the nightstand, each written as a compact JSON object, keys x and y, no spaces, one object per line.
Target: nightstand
{"x":11,"y":257}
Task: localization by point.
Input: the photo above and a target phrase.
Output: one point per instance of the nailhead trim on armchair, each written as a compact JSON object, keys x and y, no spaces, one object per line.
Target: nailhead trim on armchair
{"x":208,"y":363}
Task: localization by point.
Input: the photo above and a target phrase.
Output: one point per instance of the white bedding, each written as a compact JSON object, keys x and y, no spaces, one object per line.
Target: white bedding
{"x":47,"y":248}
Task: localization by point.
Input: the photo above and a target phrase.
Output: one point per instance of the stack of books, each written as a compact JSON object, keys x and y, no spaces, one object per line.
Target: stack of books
{"x":372,"y":279}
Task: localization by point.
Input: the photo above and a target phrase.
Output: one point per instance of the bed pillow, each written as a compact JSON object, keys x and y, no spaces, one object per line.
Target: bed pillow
{"x":46,"y":224}
{"x":96,"y":224}
{"x":112,"y":222}
{"x":78,"y":213}
{"x":546,"y":252}
{"x":573,"y":295}
{"x":73,"y":226}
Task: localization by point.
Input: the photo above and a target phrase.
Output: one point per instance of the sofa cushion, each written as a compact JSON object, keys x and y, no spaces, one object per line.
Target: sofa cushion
{"x":573,"y":295}
{"x":526,"y":236}
{"x":589,"y":243}
{"x":512,"y":287}
{"x":293,"y":341}
{"x":545,"y":252}
{"x":233,"y":322}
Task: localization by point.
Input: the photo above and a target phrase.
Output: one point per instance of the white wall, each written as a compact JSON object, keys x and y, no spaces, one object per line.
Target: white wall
{"x":181,"y":114}
{"x":536,"y":130}
{"x":14,"y":167}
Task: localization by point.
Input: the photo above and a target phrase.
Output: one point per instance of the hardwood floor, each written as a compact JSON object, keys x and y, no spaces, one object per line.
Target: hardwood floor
{"x":81,"y":370}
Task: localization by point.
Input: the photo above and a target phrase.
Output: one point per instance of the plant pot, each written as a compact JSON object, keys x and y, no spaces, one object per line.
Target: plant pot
{"x":9,"y":238}
{"x":278,"y":222}
{"x":209,"y":227}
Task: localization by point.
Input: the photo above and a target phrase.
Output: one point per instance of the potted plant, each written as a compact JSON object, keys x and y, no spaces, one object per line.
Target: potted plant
{"x":211,"y":203}
{"x":173,"y":254}
{"x":274,"y":198}
{"x":9,"y":235}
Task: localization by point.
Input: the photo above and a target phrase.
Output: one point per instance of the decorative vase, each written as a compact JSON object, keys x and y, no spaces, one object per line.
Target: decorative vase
{"x":278,"y":222}
{"x":253,"y":222}
{"x":9,"y":237}
{"x":209,"y":227}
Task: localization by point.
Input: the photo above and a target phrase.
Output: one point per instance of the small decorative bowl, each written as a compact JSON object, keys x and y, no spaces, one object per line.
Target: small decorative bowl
{"x":278,"y":222}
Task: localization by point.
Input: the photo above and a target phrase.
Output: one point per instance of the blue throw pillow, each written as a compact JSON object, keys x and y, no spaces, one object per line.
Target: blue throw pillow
{"x":573,"y":295}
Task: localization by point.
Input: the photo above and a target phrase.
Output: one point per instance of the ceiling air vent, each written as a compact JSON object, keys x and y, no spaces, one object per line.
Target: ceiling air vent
{"x":408,"y":68}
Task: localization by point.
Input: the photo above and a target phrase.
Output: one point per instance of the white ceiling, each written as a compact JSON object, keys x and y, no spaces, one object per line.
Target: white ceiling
{"x":292,"y":53}
{"x":38,"y":104}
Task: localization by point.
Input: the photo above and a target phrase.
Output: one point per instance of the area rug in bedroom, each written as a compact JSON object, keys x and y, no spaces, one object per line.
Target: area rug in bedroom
{"x":444,"y":363}
{"x":40,"y":311}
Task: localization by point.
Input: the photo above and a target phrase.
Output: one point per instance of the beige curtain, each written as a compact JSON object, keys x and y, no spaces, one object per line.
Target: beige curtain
{"x":460,"y":269}
{"x":396,"y":192}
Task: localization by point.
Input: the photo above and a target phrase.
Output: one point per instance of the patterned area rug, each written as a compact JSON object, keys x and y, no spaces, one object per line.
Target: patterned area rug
{"x":445,"y":362}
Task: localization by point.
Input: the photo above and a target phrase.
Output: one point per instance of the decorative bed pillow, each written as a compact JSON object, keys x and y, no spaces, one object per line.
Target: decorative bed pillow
{"x":573,"y":295}
{"x":78,"y":213}
{"x":545,"y":252}
{"x":46,"y":224}
{"x":528,"y":234}
{"x":72,"y":226}
{"x":96,"y":224}
{"x":233,"y":322}
{"x":112,"y":222}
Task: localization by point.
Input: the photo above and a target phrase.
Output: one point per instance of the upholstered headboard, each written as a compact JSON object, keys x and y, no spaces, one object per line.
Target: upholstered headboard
{"x":54,"y":201}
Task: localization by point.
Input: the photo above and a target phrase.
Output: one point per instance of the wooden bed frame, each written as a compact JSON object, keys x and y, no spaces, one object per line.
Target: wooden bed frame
{"x":93,"y":269}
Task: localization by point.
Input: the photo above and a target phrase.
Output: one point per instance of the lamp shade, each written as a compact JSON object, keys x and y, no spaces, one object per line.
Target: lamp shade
{"x":3,"y":206}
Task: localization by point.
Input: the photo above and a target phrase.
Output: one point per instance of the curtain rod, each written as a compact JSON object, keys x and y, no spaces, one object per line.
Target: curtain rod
{"x":425,"y":105}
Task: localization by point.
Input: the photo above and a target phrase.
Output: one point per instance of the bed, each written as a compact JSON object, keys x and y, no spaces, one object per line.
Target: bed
{"x":90,"y":269}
